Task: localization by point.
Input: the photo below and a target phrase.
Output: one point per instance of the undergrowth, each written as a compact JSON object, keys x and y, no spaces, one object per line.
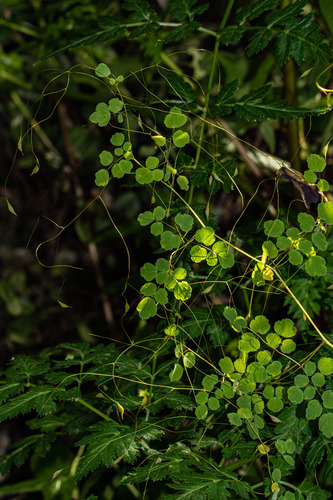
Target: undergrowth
{"x":225,"y":389}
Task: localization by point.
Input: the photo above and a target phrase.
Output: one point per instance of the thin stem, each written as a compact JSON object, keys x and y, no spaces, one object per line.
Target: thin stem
{"x":92,"y":408}
{"x":209,"y":89}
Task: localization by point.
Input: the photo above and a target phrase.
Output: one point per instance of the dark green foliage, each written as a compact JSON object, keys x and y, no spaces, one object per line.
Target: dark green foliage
{"x":213,"y":380}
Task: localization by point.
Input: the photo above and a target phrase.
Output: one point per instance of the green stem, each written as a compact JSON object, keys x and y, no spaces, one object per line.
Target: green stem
{"x":92,"y":408}
{"x":152,"y":378}
{"x":209,"y":89}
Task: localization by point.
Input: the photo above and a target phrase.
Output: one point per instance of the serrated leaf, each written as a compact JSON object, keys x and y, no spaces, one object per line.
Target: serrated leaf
{"x":108,"y":441}
{"x":259,"y":41}
{"x":96,"y":37}
{"x":144,"y":29}
{"x":181,"y":9}
{"x":140,"y":9}
{"x":180,"y":88}
{"x":255,"y":10}
{"x":40,"y":399}
{"x":181,"y":32}
{"x":230,"y":34}
{"x":284,"y":15}
{"x":219,"y":106}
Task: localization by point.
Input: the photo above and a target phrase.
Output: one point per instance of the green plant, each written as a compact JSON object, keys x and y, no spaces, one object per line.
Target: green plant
{"x":225,"y":388}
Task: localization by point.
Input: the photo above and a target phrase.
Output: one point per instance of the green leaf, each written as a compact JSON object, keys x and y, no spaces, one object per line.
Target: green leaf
{"x":115,"y":105}
{"x":287,"y":346}
{"x":159,"y":140}
{"x":182,"y":182}
{"x":275,"y":404}
{"x":145,"y":218}
{"x":283,"y":242}
{"x":156,"y":228}
{"x":169,"y":240}
{"x":201,"y":397}
{"x":179,"y":273}
{"x":102,"y":36}
{"x":310,"y":368}
{"x":108,"y":441}
{"x":201,"y":412}
{"x":175,"y":118}
{"x":176,"y":374}
{"x":102,"y":70}
{"x":184,"y":221}
{"x":159,"y":214}
{"x":161,"y":296}
{"x":102,"y":115}
{"x":285,"y":328}
{"x":226,"y":260}
{"x":189,"y":360}
{"x":140,"y":9}
{"x":259,"y":41}
{"x":273,"y":228}
{"x":148,"y":289}
{"x":273,"y":340}
{"x":105,"y":158}
{"x":301,"y":380}
{"x":148,"y":271}
{"x":152,"y":162}
{"x":144,"y":176}
{"x":295,"y":257}
{"x":162,"y":265}
{"x":306,"y":222}
{"x":213,"y":403}
{"x":40,"y":399}
{"x":270,"y":249}
{"x":325,"y":212}
{"x":253,"y":11}
{"x":117,"y":139}
{"x":102,"y":178}
{"x":181,"y":9}
{"x":319,"y":240}
{"x":220,"y":106}
{"x":182,"y":291}
{"x":180,"y":138}
{"x":326,"y":425}
{"x":147,"y":308}
{"x":226,"y":365}
{"x":316,"y":163}
{"x":295,"y":395}
{"x":198,"y":254}
{"x":205,"y":235}
{"x":310,"y":176}
{"x":318,"y":379}
{"x":315,"y":266}
{"x":325,"y":366}
{"x":209,"y":381}
{"x":323,"y":185}
{"x":181,"y":88}
{"x":327,"y":397}
{"x":181,"y":31}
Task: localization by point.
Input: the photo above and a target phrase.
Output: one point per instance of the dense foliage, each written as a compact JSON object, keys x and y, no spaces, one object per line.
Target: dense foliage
{"x":203,"y":367}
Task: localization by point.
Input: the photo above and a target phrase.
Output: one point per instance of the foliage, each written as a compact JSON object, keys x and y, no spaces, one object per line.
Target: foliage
{"x":221,"y":386}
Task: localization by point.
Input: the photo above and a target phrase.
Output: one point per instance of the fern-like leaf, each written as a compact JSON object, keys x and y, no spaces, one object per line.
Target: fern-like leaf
{"x":220,"y":106}
{"x":283,"y":16}
{"x":259,"y":41}
{"x":40,"y":399}
{"x":231,"y":33}
{"x":96,"y":37}
{"x":181,"y":9}
{"x":109,"y":441}
{"x":181,"y":88}
{"x":140,"y":10}
{"x":255,"y":10}
{"x":181,"y":32}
